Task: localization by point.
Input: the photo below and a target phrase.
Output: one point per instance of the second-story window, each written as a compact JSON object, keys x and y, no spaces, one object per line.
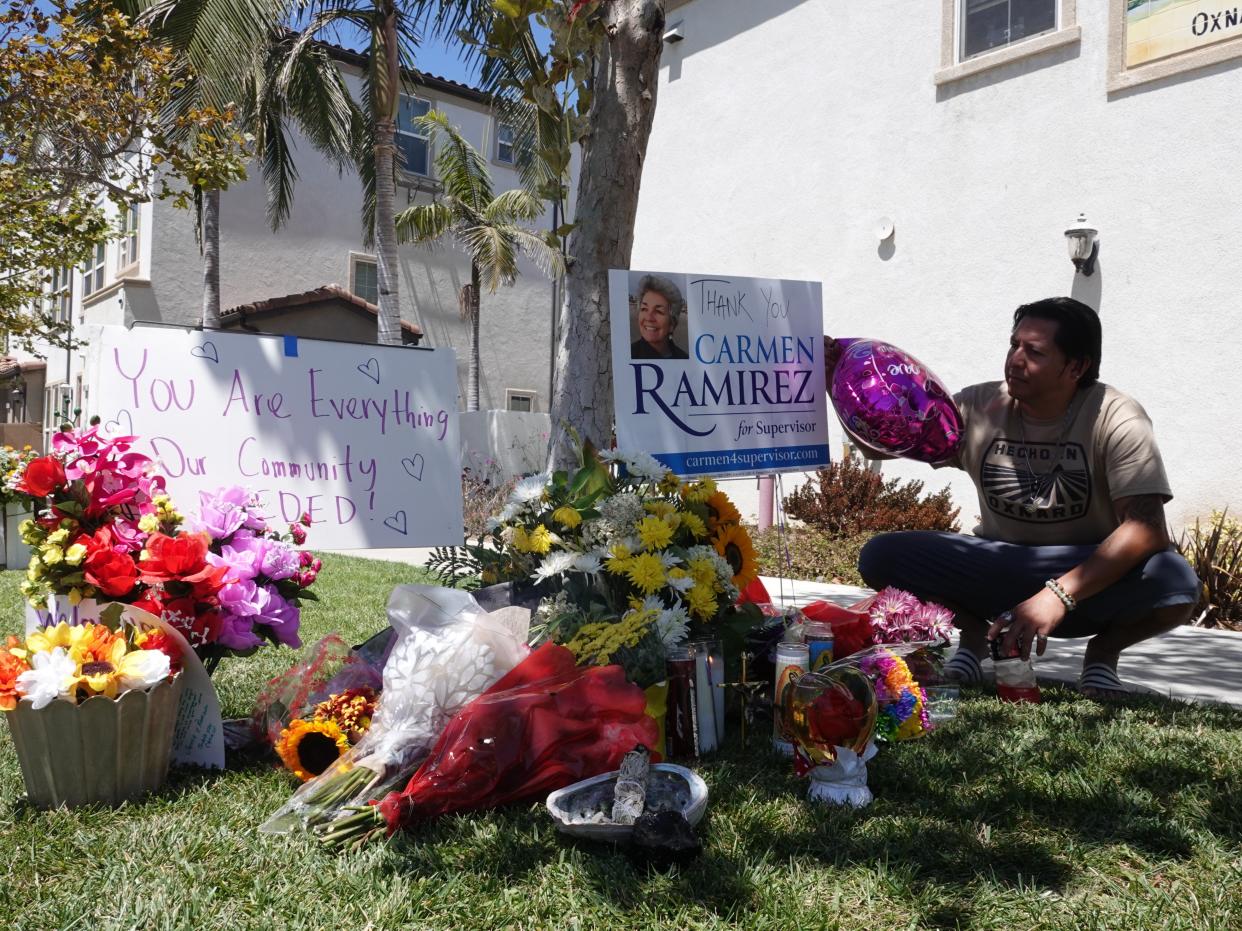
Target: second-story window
{"x":504,"y":144}
{"x":60,"y":294}
{"x":93,"y":273}
{"x":127,"y":246}
{"x":991,"y":24}
{"x":413,"y":146}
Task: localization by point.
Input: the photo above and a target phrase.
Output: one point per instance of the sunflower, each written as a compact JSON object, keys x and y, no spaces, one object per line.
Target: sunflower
{"x":733,"y":543}
{"x":722,"y":511}
{"x":308,"y":748}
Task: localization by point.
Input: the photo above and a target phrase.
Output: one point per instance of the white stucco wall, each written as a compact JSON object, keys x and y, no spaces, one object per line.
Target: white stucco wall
{"x":784,"y":130}
{"x":313,"y":248}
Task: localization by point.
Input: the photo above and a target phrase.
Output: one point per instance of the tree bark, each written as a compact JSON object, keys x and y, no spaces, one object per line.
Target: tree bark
{"x":387,"y":96}
{"x":211,"y":260}
{"x":472,"y":370}
{"x":622,"y":109}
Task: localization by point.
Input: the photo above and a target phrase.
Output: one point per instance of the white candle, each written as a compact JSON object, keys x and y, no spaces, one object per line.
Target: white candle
{"x":704,"y":700}
{"x":715,"y":670}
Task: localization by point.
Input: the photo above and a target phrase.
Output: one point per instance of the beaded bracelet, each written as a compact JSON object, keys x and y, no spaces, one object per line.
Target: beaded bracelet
{"x":1066,"y":598}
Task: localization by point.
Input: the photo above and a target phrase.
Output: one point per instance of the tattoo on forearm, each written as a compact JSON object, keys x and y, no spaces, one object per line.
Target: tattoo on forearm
{"x":1148,"y":510}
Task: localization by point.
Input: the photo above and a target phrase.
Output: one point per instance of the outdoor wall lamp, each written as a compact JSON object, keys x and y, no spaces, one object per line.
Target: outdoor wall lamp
{"x":1083,"y":246}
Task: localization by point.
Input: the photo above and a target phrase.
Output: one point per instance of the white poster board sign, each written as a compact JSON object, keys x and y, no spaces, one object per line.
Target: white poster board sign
{"x":719,"y":375}
{"x":362,"y":437}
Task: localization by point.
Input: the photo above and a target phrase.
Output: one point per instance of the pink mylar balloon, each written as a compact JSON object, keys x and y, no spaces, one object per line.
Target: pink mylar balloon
{"x":890,"y":401}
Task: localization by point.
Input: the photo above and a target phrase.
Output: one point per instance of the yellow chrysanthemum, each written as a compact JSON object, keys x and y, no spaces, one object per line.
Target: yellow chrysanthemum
{"x":596,"y":643}
{"x":692,"y":522}
{"x":698,"y":492}
{"x":659,"y":508}
{"x":646,"y":572}
{"x":655,"y":533}
{"x":537,"y":541}
{"x":307,"y":748}
{"x":670,"y":483}
{"x":701,"y":601}
{"x":733,"y":543}
{"x":703,"y":571}
{"x":722,"y":510}
{"x":618,"y":561}
{"x":567,"y":517}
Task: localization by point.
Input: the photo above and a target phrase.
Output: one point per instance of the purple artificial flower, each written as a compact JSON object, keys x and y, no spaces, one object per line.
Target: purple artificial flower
{"x":243,"y":599}
{"x":282,"y":618}
{"x":241,"y":562}
{"x":279,"y":561}
{"x":218,"y":516}
{"x":237,"y":633}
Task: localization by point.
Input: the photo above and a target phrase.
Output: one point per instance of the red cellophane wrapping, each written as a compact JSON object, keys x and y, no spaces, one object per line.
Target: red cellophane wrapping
{"x":851,"y":627}
{"x":546,"y":724}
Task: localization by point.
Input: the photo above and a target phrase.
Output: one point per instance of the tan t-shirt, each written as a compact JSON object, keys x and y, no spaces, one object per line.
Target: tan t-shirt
{"x":1055,"y":482}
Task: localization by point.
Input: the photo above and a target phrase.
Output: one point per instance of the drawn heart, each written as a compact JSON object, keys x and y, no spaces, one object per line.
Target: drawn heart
{"x":370,"y":369}
{"x":206,"y":351}
{"x":414,"y":467}
{"x":113,"y":427}
{"x":397,"y":522}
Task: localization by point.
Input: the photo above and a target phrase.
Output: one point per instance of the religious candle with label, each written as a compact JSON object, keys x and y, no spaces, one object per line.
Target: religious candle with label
{"x":681,"y":717}
{"x":791,"y":661}
{"x":819,"y":641}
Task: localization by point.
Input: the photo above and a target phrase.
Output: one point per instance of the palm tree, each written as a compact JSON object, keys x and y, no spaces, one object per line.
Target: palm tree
{"x":240,"y":55}
{"x":483,"y":224}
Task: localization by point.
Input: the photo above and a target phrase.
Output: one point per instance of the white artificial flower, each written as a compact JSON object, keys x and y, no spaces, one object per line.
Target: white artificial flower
{"x":555,"y":564}
{"x":50,"y":676}
{"x":530,"y":488}
{"x":672,"y":626}
{"x":141,"y":669}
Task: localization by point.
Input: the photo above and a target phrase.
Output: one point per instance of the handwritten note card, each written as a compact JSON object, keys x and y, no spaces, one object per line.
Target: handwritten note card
{"x":364,"y":438}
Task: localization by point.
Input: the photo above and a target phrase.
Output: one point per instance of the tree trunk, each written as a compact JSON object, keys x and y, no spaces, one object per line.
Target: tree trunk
{"x":622,"y":108}
{"x":472,"y":372}
{"x":211,"y":260}
{"x":387,"y":96}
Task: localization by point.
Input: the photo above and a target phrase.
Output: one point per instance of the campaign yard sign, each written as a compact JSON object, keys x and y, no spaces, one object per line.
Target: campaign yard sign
{"x":717,"y":374}
{"x":363,"y":438}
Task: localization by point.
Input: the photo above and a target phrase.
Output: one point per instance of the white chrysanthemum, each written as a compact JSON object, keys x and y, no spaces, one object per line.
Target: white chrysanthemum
{"x":669,"y":560}
{"x":529,"y":489}
{"x":590,"y":563}
{"x":672,"y":626}
{"x":51,"y":674}
{"x":645,"y":466}
{"x":508,"y":512}
{"x":555,"y":564}
{"x":611,"y":455}
{"x":492,"y":524}
{"x":682,"y":585}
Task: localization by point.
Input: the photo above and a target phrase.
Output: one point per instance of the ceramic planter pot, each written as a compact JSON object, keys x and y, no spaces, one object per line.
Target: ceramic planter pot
{"x":102,"y":751}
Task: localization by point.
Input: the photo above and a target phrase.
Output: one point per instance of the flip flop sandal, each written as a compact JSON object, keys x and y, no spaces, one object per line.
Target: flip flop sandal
{"x":1102,"y":679}
{"x":964,"y":667}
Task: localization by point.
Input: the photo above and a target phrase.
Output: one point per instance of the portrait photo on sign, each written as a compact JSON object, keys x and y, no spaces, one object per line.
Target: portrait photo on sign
{"x":657,"y":318}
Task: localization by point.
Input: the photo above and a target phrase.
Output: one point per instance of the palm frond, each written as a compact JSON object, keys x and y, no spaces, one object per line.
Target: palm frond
{"x":510,"y":206}
{"x":548,"y":260}
{"x":425,"y":223}
{"x":460,"y":167}
{"x":493,"y":251}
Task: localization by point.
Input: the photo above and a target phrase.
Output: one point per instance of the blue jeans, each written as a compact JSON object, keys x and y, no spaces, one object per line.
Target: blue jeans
{"x":985,"y":577}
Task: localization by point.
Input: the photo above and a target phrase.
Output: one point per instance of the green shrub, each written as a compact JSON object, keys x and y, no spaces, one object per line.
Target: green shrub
{"x":847,"y":499}
{"x":1215,"y":553}
{"x":807,"y":553}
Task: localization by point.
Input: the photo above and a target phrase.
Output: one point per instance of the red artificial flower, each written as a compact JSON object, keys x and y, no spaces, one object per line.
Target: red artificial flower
{"x":42,"y":476}
{"x":160,"y":640}
{"x":182,"y":558}
{"x":111,"y":571}
{"x":199,"y":624}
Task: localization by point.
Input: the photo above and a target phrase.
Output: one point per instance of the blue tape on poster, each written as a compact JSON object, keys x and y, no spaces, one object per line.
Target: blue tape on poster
{"x":291,"y":346}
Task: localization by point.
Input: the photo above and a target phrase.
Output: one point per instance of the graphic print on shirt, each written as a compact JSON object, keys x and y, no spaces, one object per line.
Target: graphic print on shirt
{"x":1047,"y":492}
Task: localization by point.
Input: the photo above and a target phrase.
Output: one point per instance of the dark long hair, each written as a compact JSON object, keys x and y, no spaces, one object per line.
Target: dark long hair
{"x":1078,"y":331}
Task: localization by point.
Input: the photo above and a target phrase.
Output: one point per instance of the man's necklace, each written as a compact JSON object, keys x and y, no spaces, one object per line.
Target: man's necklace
{"x":1041,"y":482}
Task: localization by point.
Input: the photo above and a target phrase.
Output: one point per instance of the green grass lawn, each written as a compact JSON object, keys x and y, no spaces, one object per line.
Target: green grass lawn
{"x":1066,"y":815}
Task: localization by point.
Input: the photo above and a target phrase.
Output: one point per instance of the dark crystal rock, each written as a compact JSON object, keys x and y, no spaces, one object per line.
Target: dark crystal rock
{"x":662,"y":838}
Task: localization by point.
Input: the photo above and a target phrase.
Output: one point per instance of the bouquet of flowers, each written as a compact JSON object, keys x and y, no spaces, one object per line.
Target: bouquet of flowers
{"x":898,"y":673}
{"x":13,"y":463}
{"x":234,"y":580}
{"x":899,"y":617}
{"x":636,"y":559}
{"x":96,"y":502}
{"x":309,"y":745}
{"x":74,"y":663}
